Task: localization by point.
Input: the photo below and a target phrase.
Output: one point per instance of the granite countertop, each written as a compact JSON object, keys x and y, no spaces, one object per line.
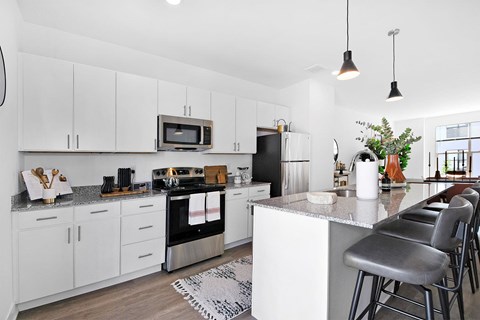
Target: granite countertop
{"x":232,"y":185}
{"x":353,"y":211}
{"x":81,"y":196}
{"x":91,"y":195}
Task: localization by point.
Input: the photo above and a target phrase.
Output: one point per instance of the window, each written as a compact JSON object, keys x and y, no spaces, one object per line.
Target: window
{"x":458,"y":146}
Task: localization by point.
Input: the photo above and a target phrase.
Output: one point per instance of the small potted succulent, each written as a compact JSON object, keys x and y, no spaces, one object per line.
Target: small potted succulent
{"x":381,"y":140}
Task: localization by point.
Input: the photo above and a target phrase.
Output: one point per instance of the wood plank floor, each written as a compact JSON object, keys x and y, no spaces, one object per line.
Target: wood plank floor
{"x":152,"y":297}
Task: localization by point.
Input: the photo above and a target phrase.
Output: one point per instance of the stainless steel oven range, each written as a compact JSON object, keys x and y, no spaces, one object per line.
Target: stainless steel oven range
{"x":188,"y":241}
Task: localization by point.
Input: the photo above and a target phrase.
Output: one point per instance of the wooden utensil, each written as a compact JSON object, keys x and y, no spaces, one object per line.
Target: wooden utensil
{"x":34,"y":172}
{"x":54,"y":173}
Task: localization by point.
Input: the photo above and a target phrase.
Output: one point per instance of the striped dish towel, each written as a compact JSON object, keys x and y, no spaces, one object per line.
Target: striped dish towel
{"x":213,"y":206}
{"x":196,"y":209}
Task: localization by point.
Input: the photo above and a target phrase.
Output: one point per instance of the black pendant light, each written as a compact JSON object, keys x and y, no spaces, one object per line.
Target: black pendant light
{"x":395,"y":94}
{"x":348,"y":70}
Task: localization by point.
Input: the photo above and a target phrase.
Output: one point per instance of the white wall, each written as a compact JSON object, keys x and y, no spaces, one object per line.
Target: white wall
{"x":9,"y":19}
{"x":88,"y":169}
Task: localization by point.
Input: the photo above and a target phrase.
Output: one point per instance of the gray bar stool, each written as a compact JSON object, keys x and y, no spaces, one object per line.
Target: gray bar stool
{"x":413,"y":232}
{"x":385,"y":257}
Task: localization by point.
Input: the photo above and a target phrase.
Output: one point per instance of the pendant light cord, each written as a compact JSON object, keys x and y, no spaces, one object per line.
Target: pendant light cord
{"x":393,"y":56}
{"x":348,"y":36}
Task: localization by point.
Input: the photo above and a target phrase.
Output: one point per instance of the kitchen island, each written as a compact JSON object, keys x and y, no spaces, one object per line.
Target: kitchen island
{"x":298,"y":270}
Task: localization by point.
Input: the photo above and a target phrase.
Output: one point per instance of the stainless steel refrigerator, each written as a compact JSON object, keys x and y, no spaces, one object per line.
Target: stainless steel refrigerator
{"x":284,"y":160}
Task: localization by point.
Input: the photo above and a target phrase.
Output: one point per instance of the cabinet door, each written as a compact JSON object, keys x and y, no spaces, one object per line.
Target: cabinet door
{"x":136,"y":113}
{"x":94,"y":109}
{"x":282,"y":112}
{"x":223,"y":117}
{"x":47,"y":104}
{"x":97,"y":251}
{"x":198,"y":103}
{"x":235,"y":220}
{"x":246,"y":126}
{"x":266,"y":115}
{"x":45,"y":261}
{"x":172,"y":99}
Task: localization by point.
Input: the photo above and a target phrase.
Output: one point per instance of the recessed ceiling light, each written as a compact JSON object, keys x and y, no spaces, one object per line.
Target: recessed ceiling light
{"x":174,"y":2}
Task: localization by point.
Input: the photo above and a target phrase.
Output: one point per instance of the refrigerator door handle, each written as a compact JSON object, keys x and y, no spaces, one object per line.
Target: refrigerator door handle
{"x":287,"y":177}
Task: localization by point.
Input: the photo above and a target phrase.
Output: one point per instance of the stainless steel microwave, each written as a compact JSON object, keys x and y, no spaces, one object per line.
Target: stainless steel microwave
{"x":183,"y":134}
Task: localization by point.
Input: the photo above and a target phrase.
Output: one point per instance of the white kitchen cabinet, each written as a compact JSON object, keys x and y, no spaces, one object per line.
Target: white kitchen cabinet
{"x":136,"y":113}
{"x":94,"y":109}
{"x":265,"y":115}
{"x":45,"y":253}
{"x":268,"y":114}
{"x":97,"y":243}
{"x":235,"y":215}
{"x":223,"y":117}
{"x":178,"y":100}
{"x":47,"y":110}
{"x":246,"y":125}
{"x":143,"y":233}
{"x":254,"y":194}
{"x":235,"y":124}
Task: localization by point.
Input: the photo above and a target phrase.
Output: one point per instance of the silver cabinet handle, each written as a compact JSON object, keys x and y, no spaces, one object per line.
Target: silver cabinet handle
{"x":79,"y":233}
{"x":46,"y":218}
{"x":189,"y":111}
{"x":78,"y":143}
{"x":238,"y":146}
{"x":261,"y":190}
{"x":68,"y":141}
{"x":185,"y":110}
{"x":99,"y":211}
{"x":237,"y":194}
{"x":69,"y":232}
{"x":234,"y":146}
{"x":146,"y":206}
{"x":146,"y":227}
{"x":145,"y":255}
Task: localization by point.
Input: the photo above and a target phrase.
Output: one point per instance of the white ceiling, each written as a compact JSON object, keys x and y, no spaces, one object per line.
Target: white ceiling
{"x":272,"y":41}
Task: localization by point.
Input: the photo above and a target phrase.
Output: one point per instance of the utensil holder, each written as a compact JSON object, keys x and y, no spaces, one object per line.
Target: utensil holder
{"x":48,"y":196}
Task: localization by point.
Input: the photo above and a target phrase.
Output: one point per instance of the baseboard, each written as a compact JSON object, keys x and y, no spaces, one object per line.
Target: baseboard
{"x":13,"y":313}
{"x":237,"y":243}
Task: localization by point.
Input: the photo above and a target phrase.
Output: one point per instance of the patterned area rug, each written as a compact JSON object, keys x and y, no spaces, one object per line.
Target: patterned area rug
{"x":220,"y":293}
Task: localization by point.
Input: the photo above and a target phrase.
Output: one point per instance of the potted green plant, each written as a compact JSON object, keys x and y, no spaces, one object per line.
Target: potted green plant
{"x":381,"y":140}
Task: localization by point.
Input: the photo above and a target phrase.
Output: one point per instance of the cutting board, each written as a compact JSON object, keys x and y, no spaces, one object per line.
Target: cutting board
{"x":215,"y":174}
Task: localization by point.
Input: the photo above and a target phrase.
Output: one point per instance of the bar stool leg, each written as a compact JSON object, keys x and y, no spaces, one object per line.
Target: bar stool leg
{"x":428,"y":304}
{"x":443,"y":297}
{"x":356,"y":294}
{"x":474,"y":263}
{"x":470,"y":272}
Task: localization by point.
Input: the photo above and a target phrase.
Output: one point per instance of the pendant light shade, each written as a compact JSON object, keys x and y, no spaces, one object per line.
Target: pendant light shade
{"x":395,"y":94}
{"x":348,"y":70}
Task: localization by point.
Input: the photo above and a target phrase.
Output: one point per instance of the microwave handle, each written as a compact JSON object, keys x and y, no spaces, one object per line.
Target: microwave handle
{"x":201,"y":134}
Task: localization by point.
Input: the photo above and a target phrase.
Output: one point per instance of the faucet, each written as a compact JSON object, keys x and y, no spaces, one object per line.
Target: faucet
{"x":362,"y":155}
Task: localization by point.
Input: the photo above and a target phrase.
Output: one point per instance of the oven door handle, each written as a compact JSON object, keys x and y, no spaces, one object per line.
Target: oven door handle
{"x":187,"y":196}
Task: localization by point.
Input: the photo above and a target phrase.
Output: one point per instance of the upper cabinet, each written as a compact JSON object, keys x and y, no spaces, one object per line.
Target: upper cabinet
{"x":268,"y":114}
{"x":47,"y":113}
{"x":181,"y":101}
{"x":136,"y":113}
{"x":234,"y":129}
{"x":94,"y":109}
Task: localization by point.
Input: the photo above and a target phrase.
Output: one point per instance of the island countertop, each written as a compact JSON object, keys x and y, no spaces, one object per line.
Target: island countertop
{"x":357,"y":212}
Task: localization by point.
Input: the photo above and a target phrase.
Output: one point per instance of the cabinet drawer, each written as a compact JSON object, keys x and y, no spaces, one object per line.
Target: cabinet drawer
{"x":41,"y":218}
{"x":143,"y":205}
{"x":236,"y":194}
{"x":259,"y":191}
{"x":143,"y":227}
{"x":97,"y":211}
{"x":142,"y":255}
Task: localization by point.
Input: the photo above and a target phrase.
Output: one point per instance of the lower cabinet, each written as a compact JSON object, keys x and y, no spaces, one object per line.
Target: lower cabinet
{"x":67,"y":248}
{"x":97,"y":243}
{"x":238,"y":213}
{"x":45,"y":261}
{"x":235,"y":215}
